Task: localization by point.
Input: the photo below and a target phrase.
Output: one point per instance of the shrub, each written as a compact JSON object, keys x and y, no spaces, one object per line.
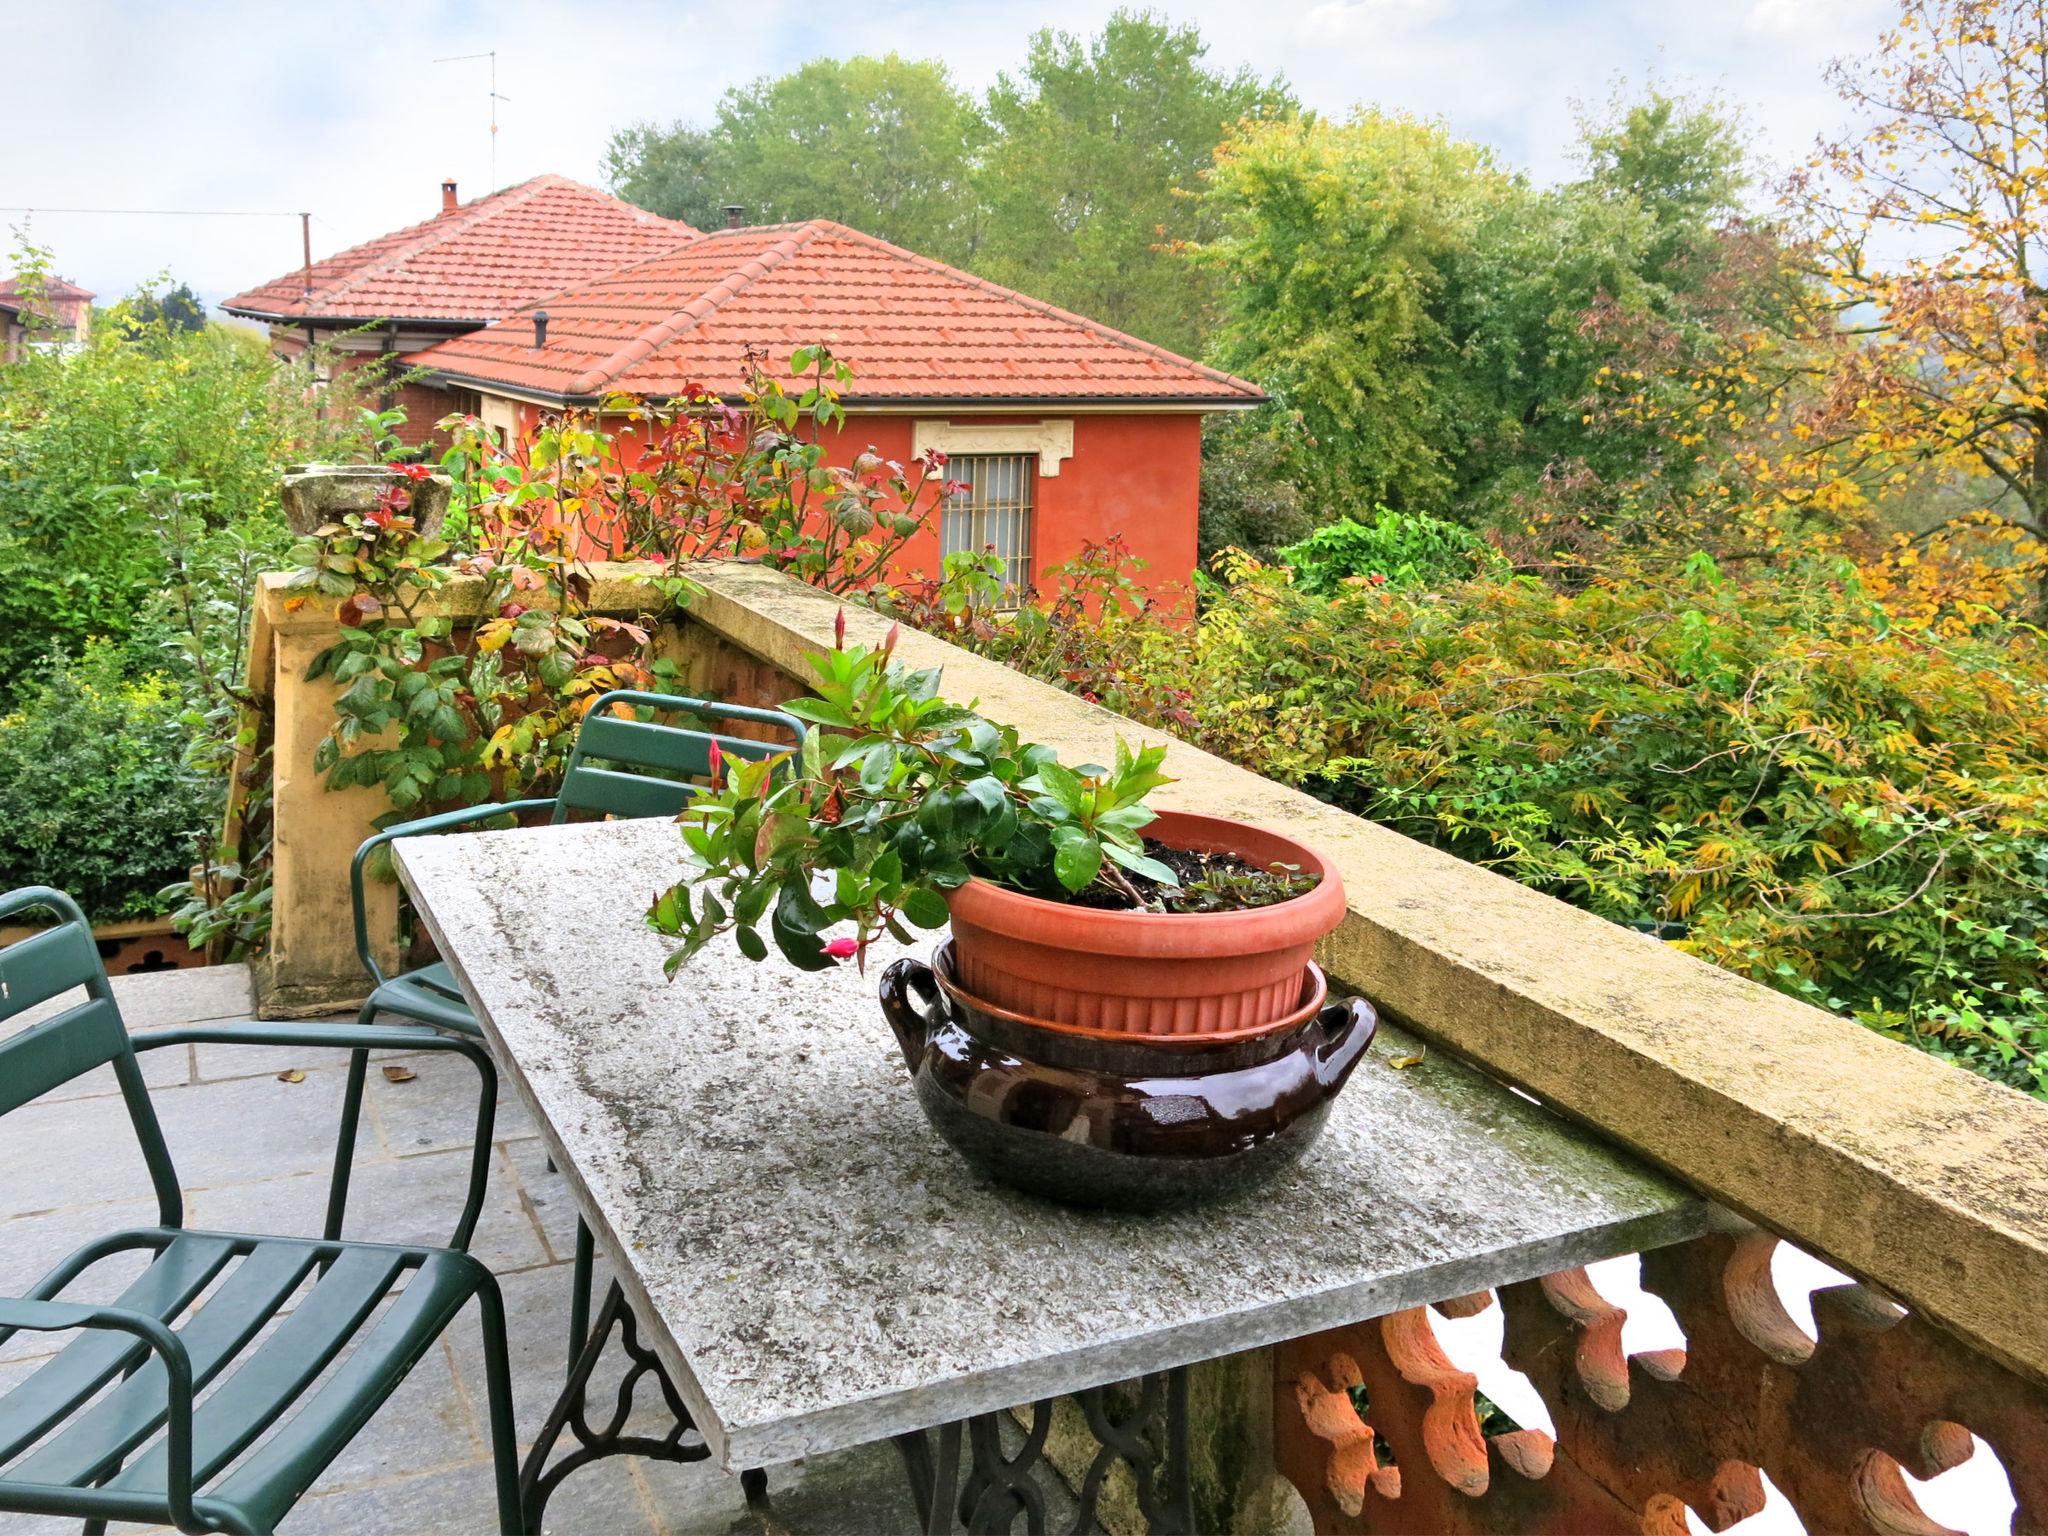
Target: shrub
{"x":78,"y":555}
{"x":99,"y":800}
{"x":1248,"y":500}
{"x":1397,"y":549}
{"x":1800,"y":789}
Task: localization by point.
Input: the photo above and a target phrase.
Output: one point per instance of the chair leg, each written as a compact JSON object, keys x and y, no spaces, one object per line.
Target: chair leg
{"x":480,"y":1151}
{"x":498,"y":1392}
{"x":579,"y":1293}
{"x":345,"y":1141}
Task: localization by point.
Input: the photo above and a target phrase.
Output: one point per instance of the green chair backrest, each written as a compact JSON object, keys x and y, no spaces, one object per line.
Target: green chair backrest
{"x":88,"y":1034}
{"x":634,"y":768}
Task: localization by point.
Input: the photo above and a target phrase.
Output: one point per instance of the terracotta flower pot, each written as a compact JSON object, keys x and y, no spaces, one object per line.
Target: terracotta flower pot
{"x":1149,"y":973}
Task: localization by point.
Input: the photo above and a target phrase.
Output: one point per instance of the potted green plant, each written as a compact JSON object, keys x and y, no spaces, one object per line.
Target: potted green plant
{"x":1097,"y":944}
{"x":1071,"y":899}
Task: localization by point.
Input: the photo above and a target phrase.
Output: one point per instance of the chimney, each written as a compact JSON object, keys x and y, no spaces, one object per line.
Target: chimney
{"x":540,"y":328}
{"x":735,"y":215}
{"x":448,"y":204}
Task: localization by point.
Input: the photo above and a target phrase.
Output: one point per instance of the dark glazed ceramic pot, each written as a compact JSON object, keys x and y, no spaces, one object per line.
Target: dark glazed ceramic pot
{"x":1122,"y":1121}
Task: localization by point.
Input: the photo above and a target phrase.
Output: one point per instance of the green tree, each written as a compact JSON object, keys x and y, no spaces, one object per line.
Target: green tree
{"x":1332,"y":252}
{"x":1438,"y":330}
{"x":176,"y":309}
{"x":79,"y":557}
{"x":678,"y":172}
{"x":886,"y":145}
{"x":1088,"y":183}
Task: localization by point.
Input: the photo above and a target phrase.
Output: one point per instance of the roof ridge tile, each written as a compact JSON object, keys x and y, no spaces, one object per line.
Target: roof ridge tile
{"x":1108,"y":332}
{"x":646,"y":342}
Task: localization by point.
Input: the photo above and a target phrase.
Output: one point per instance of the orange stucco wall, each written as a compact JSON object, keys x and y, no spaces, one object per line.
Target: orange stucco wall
{"x":1134,"y":475}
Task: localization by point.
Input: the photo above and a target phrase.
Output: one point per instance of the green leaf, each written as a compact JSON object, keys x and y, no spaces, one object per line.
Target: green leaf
{"x":796,"y":925}
{"x":796,"y":906}
{"x":1064,"y":786}
{"x":818,"y":712}
{"x":1076,"y":858}
{"x":1138,"y":864}
{"x":926,"y":908}
{"x":751,"y":944}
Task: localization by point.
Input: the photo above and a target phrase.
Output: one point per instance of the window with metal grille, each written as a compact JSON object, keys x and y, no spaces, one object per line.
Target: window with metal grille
{"x":993,"y":510}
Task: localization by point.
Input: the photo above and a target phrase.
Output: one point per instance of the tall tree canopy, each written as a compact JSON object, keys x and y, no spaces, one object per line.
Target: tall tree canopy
{"x":1098,"y":146}
{"x":678,"y":172}
{"x":885,"y":145}
{"x":1926,"y":222}
{"x":1436,"y":328}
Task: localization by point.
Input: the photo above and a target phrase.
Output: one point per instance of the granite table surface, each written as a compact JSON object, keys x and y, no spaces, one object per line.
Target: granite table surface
{"x":817,"y":1269}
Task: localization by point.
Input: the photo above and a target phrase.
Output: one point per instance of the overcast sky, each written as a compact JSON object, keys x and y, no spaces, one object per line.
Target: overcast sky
{"x":339,"y":108}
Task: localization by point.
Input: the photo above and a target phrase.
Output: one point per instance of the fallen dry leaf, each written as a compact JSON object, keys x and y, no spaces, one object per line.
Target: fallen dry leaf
{"x":1413,"y":1058}
{"x":292,"y":1075}
{"x":399,"y":1074}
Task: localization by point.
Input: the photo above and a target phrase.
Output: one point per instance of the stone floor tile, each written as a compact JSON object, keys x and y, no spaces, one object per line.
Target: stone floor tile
{"x":862,"y":1492}
{"x":251,"y":1128}
{"x":461,"y":1501}
{"x":216,"y":1063}
{"x":554,"y":1207}
{"x":200,"y":995}
{"x":436,"y":1109}
{"x":71,"y":1153}
{"x":391,"y":1200}
{"x":219,"y":1133}
{"x":422,"y":1425}
{"x":537,"y":1330}
{"x":170,"y":1067}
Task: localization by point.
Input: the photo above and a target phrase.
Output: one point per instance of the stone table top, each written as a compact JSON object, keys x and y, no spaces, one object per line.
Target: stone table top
{"x":817,"y":1269}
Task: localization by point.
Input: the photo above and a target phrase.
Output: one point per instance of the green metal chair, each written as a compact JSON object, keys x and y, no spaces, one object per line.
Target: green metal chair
{"x":108,"y":1427}
{"x":624,"y":768}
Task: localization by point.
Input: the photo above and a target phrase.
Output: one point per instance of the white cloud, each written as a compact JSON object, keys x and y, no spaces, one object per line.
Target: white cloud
{"x":1354,"y":18}
{"x":1815,"y":18}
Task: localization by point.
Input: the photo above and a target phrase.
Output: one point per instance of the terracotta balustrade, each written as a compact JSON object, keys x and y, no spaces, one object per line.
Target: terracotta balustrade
{"x":1379,"y":1432}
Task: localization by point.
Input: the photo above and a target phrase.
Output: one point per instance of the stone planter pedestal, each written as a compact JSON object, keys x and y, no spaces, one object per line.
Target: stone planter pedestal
{"x":314,"y":494}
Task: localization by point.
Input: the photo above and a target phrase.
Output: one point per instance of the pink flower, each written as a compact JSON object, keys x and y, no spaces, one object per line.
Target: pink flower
{"x":839,"y":630}
{"x":843,"y":949}
{"x":717,"y":759}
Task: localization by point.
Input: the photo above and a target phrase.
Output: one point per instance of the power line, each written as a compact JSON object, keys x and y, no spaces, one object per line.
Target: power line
{"x":163,"y":213}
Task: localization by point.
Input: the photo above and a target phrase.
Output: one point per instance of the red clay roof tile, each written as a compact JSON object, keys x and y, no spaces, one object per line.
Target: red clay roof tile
{"x":911,"y":328}
{"x":475,"y":263}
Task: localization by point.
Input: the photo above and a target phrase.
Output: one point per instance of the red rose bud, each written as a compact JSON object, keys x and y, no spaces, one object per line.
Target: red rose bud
{"x":717,"y":759}
{"x":839,"y":630}
{"x":843,"y":949}
{"x":889,"y":640}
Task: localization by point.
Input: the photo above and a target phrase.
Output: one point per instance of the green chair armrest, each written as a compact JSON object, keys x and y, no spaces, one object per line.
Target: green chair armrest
{"x":309,"y":1034}
{"x":441,"y":821}
{"x":18,"y":1313}
{"x":30,"y":897}
{"x":706,"y":708}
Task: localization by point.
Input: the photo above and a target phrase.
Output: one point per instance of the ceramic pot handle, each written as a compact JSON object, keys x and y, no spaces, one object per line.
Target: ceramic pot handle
{"x":912,"y":1025}
{"x":1348,"y":1029}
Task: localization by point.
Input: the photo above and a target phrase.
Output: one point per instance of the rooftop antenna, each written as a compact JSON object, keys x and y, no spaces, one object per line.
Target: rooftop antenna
{"x":464,"y":58}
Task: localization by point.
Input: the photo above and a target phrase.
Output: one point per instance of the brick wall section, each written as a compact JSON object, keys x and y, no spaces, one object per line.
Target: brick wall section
{"x":424,"y":405}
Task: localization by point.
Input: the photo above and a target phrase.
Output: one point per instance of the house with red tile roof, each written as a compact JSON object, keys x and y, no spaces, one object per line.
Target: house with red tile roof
{"x":53,"y":311}
{"x":1063,"y":431}
{"x":470,"y":264}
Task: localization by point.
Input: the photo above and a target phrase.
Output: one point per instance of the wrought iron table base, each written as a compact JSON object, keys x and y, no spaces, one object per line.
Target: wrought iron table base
{"x":998,"y":1487}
